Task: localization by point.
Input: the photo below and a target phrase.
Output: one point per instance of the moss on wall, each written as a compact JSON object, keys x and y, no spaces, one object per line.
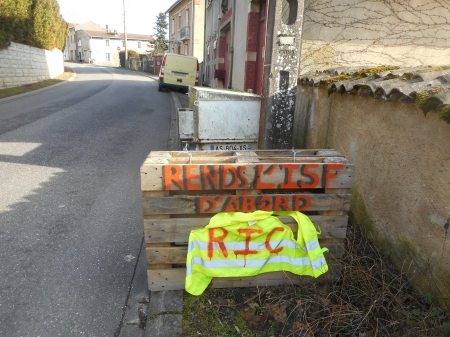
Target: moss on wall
{"x":410,"y":258}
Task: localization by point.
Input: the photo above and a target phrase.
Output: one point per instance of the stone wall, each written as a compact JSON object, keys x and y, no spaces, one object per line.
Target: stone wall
{"x":360,"y":32}
{"x":401,"y":191}
{"x":21,"y":64}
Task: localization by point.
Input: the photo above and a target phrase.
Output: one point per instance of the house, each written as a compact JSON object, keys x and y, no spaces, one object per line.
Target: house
{"x":102,"y":46}
{"x":234,"y":44}
{"x":70,"y":51}
{"x":186,"y":25}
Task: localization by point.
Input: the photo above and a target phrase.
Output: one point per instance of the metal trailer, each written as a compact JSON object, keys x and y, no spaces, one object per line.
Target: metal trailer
{"x":219,"y":119}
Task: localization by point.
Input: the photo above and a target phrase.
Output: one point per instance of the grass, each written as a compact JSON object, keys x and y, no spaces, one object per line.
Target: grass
{"x":68,"y":73}
{"x":371,"y":299}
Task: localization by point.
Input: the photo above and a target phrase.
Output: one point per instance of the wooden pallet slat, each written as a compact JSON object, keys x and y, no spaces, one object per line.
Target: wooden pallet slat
{"x":231,"y":176}
{"x":248,"y":203}
{"x":177,"y":230}
{"x":174,"y":279}
{"x":177,"y":255}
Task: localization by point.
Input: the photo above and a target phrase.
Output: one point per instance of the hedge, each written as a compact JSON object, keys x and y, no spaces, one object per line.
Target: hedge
{"x":36,"y":23}
{"x":131,"y":53}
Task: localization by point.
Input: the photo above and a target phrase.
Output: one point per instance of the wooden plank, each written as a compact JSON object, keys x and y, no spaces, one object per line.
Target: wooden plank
{"x":174,"y":279}
{"x":245,"y":154}
{"x":260,"y":153}
{"x":174,"y":255}
{"x":165,"y":154}
{"x":185,"y":159}
{"x":156,"y":217}
{"x":157,"y":177}
{"x":248,"y":203}
{"x":299,"y":153}
{"x":177,"y":255}
{"x":336,"y":247}
{"x":333,"y":191}
{"x":177,"y":230}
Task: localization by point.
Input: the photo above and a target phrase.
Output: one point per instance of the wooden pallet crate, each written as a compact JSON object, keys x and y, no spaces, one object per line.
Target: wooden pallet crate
{"x":182,"y":190}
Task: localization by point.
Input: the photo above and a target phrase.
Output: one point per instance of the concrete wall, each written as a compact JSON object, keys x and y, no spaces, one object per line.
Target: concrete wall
{"x":240,"y":44}
{"x":360,"y":32}
{"x":401,"y":191}
{"x":21,"y":64}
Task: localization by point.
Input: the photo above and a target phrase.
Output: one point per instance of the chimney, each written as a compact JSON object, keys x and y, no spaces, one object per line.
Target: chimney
{"x":115,"y":32}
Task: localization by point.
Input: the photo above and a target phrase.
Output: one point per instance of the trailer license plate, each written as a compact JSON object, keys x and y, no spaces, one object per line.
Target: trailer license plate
{"x":179,"y":74}
{"x":232,"y":147}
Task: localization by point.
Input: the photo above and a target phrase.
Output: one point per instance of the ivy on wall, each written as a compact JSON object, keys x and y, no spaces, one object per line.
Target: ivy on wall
{"x":36,"y":23}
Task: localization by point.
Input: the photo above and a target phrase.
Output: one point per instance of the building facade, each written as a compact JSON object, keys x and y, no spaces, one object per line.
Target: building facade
{"x":235,"y":44}
{"x":186,"y":26}
{"x":92,"y":43}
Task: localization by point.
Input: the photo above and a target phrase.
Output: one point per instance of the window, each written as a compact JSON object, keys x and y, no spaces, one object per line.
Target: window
{"x":179,"y":21}
{"x":108,"y":58}
{"x":123,"y":43}
{"x":107,"y":43}
{"x":139,"y":45}
{"x":289,"y":11}
{"x":187,"y":17}
{"x":224,"y":6}
{"x":284,"y":80}
{"x":173,"y":26}
{"x":186,"y":49}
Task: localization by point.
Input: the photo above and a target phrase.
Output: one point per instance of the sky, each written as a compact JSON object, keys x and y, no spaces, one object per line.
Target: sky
{"x":140,"y":14}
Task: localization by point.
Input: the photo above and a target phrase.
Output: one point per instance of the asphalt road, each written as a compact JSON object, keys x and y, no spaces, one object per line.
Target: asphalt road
{"x":70,"y":201}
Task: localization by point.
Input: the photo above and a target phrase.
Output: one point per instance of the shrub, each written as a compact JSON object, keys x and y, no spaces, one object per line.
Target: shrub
{"x":131,"y":53}
{"x":36,"y":23}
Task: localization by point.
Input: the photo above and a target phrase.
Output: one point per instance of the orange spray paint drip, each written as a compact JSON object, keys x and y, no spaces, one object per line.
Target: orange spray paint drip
{"x":248,"y":235}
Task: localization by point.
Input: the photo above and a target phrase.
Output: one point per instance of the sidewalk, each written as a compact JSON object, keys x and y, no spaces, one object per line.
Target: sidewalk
{"x":164,"y":313}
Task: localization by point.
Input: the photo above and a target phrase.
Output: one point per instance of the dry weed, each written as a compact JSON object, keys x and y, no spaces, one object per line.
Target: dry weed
{"x":371,"y":299}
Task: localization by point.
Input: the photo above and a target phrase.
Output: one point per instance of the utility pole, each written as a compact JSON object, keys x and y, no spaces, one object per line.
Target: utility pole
{"x":125,"y":32}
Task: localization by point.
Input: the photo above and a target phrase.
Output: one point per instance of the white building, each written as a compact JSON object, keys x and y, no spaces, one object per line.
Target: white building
{"x":91,"y":42}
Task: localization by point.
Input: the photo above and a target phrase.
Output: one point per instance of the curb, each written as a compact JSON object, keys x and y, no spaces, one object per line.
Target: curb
{"x":165,"y":307}
{"x":142,"y":73}
{"x":39,"y":90}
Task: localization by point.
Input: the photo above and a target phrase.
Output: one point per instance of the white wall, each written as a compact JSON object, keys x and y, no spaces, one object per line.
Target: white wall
{"x":359,"y":32}
{"x":21,"y":64}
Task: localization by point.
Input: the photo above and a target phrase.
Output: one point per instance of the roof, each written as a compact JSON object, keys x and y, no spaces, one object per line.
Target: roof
{"x":428,"y":87}
{"x":105,"y":34}
{"x":175,"y":4}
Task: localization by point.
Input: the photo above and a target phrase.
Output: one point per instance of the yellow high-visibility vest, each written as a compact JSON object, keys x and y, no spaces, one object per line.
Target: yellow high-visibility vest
{"x":239,"y":244}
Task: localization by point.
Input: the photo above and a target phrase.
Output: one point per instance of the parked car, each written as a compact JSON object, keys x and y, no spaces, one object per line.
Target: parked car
{"x":178,"y":72}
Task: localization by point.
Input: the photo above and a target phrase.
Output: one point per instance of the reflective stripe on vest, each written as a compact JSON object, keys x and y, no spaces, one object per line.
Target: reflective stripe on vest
{"x":246,"y":244}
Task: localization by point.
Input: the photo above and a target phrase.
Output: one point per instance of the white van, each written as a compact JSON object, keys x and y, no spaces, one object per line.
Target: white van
{"x":178,"y":72}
